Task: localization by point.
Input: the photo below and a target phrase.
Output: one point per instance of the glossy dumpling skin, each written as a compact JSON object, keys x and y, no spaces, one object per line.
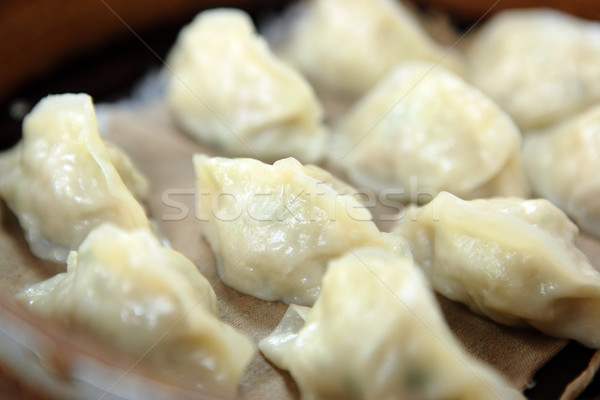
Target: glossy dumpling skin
{"x":129,"y":291}
{"x":135,"y":181}
{"x":423,"y":130}
{"x":376,"y":332}
{"x":60,"y":179}
{"x":273,"y":228}
{"x":348,"y":46}
{"x":514,"y":260}
{"x":541,"y":66}
{"x":227,"y":89}
{"x":562,"y":164}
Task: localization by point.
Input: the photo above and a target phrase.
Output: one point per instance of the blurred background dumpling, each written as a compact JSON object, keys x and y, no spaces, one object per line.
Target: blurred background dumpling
{"x":423,"y":130}
{"x":562,"y":164}
{"x":348,"y":46}
{"x":541,"y":66}
{"x":226,"y":89}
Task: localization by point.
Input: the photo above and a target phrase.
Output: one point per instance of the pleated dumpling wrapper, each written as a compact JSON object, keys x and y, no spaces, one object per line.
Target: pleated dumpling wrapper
{"x":541,"y":66}
{"x":347,"y":46}
{"x":563,"y":163}
{"x":61,"y":180}
{"x":376,"y":332}
{"x":423,"y":130}
{"x":129,"y":291}
{"x":511,"y":259}
{"x":228,"y":90}
{"x":273,"y":228}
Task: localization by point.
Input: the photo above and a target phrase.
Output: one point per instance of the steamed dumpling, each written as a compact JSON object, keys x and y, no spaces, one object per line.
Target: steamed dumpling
{"x":423,"y":130}
{"x":376,"y":333}
{"x":348,"y":46}
{"x":60,"y":179}
{"x":539,"y":65}
{"x":562,"y":164}
{"x":127,"y":290}
{"x":273,"y":228}
{"x":227,"y":89}
{"x":511,"y":259}
{"x":135,"y":181}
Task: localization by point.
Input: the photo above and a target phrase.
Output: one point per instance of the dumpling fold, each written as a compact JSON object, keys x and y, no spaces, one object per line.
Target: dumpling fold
{"x":126,"y":289}
{"x":61,"y":180}
{"x":376,"y":332}
{"x":511,"y":259}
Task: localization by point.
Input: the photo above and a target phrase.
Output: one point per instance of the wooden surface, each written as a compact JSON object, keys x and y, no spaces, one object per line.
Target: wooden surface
{"x":38,"y":36}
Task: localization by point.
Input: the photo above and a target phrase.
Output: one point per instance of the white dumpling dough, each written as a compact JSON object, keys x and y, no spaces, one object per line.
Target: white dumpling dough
{"x":539,"y":65}
{"x":514,"y":260}
{"x":376,"y":332}
{"x":135,"y":181}
{"x":127,"y":290}
{"x":348,"y":46}
{"x":60,"y":179}
{"x":423,"y":130}
{"x":562,"y":164}
{"x":273,"y":228}
{"x":227,"y":89}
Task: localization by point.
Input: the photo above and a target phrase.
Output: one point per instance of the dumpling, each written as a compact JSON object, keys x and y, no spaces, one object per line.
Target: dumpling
{"x":135,"y":181}
{"x":127,"y":290}
{"x":423,"y":130}
{"x":376,"y":332}
{"x":541,"y":66}
{"x":60,"y":179}
{"x":562,"y":164}
{"x":348,"y":46}
{"x":227,"y":89}
{"x":273,"y":228}
{"x":514,"y":260}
